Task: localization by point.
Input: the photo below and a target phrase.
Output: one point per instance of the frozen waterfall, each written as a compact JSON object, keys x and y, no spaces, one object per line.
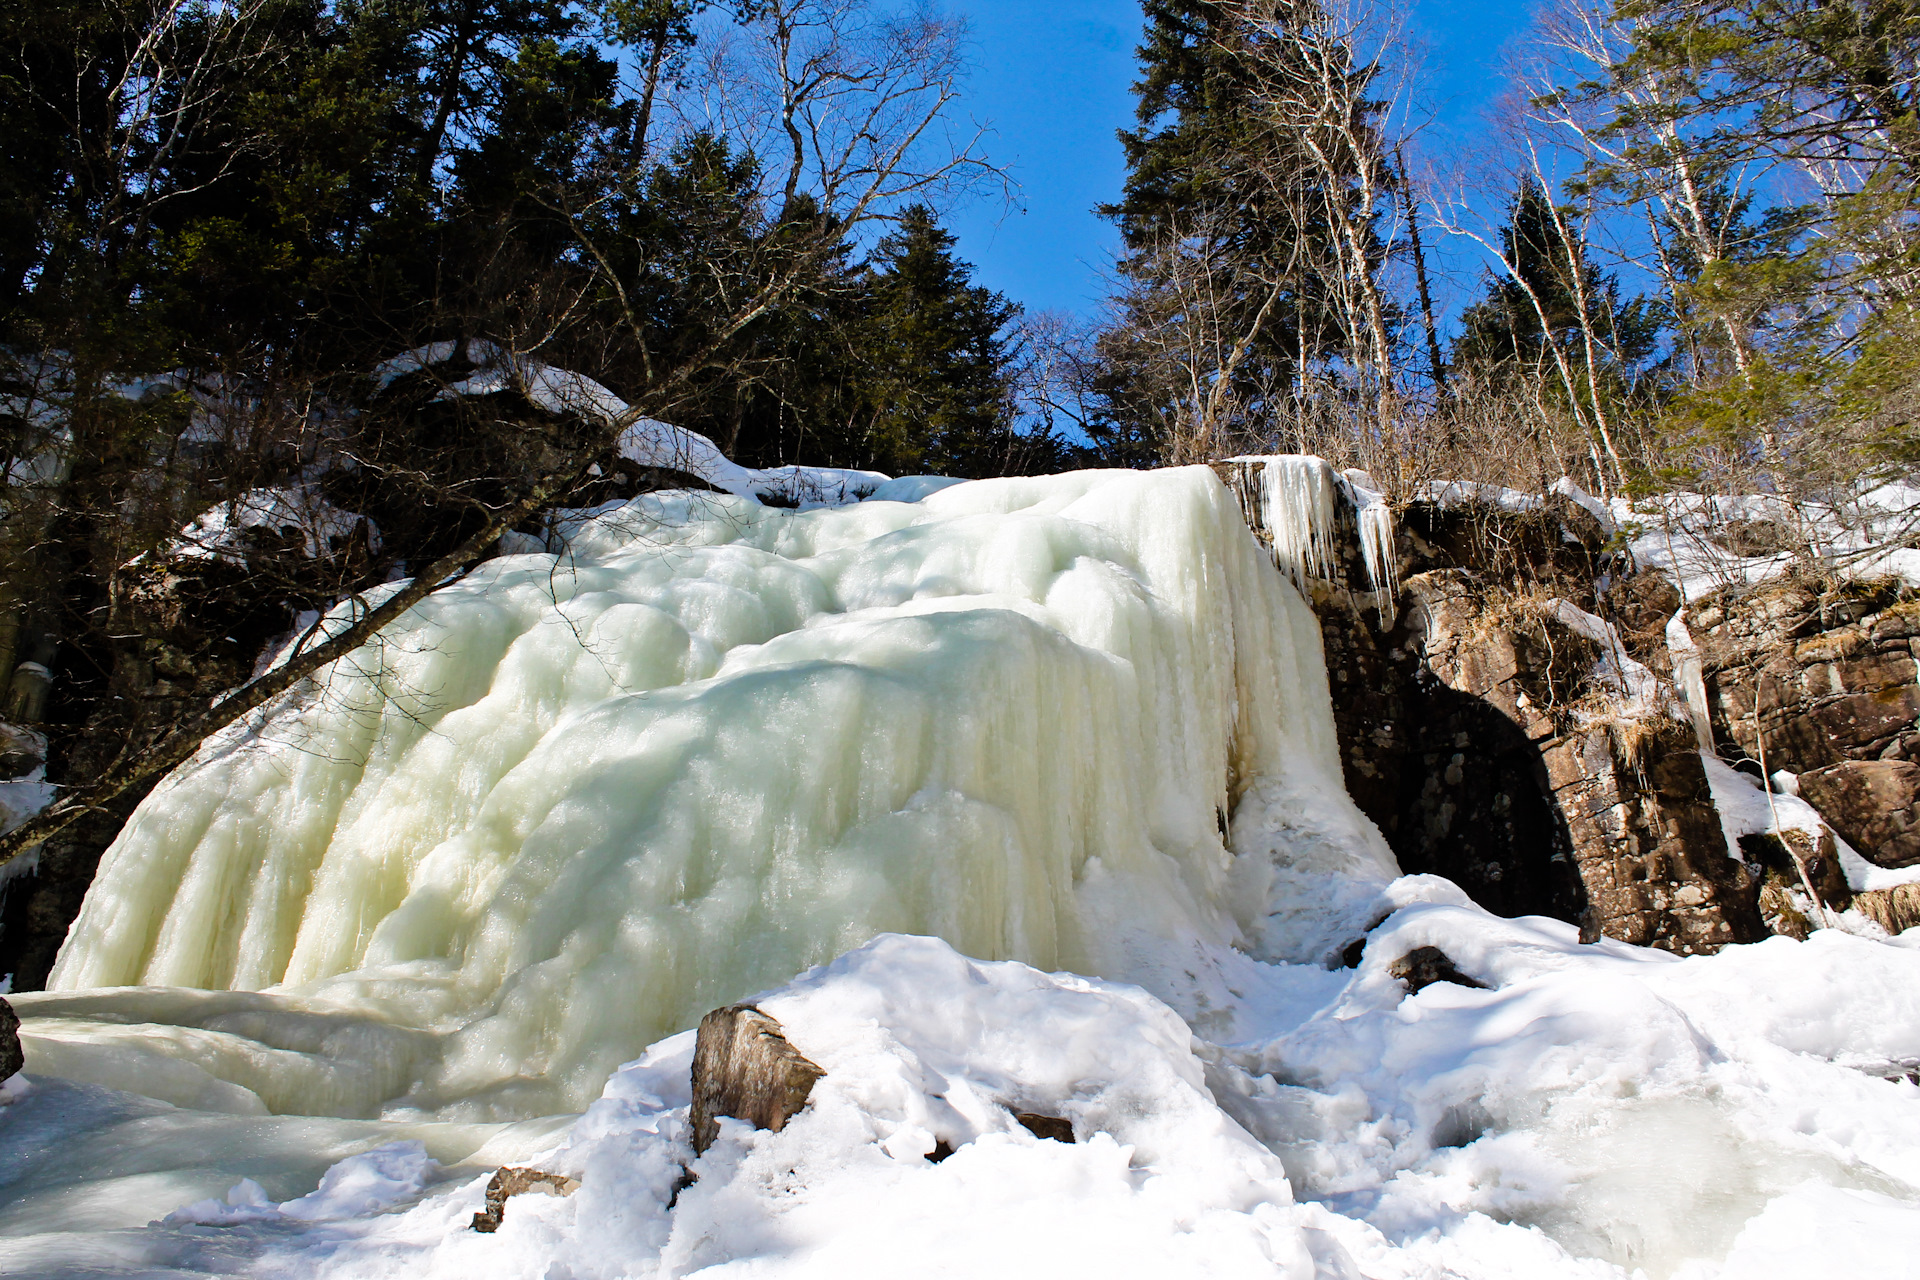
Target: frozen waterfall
{"x":575,"y":801}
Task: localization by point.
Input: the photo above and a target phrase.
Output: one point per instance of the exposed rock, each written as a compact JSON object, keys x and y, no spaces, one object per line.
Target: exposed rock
{"x":1797,"y":860}
{"x":1873,"y":804}
{"x":1558,"y":545}
{"x":1647,"y":840}
{"x":11,"y":1056}
{"x":1608,"y":820}
{"x":743,"y":1067}
{"x":508,"y":1183}
{"x":1473,"y":734}
{"x":1424,"y":966}
{"x":1045,"y":1126}
{"x":1829,"y":668}
{"x":1639,"y":605}
{"x":1758,"y":538}
{"x":1895,"y":910}
{"x":21,"y":750}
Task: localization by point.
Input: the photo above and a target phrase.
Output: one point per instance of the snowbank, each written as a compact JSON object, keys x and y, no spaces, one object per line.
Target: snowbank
{"x":1595,"y":1111}
{"x":301,"y":511}
{"x":646,"y":441}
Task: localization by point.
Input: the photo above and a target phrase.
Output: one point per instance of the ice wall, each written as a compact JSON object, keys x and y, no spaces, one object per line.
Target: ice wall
{"x":573,"y":802}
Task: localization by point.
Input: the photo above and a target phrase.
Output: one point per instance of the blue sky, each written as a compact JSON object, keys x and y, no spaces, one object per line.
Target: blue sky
{"x":1053,"y":77}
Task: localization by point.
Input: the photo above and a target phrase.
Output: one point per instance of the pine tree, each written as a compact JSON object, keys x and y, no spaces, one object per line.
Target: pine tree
{"x":1233,"y":221}
{"x":934,"y":356}
{"x":1533,"y":305}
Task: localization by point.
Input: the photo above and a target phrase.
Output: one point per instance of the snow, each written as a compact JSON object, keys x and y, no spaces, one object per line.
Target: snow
{"x":1593,"y":506}
{"x":645,"y":441}
{"x":221,"y":533}
{"x":368,"y":1183}
{"x":1639,"y":692}
{"x":1747,"y":808}
{"x":20,"y":799}
{"x":1598,"y":1111}
{"x":1453,"y":493}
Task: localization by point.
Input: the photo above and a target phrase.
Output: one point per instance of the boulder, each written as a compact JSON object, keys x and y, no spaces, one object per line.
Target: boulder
{"x":21,"y":750}
{"x":743,"y":1067}
{"x":11,"y":1056}
{"x":1424,"y":966}
{"x":1874,"y":804}
{"x":1045,"y":1126}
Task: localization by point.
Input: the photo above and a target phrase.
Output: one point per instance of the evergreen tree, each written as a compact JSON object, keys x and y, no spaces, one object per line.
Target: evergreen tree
{"x":1533,"y":306}
{"x":1230,"y":221}
{"x":934,"y":358}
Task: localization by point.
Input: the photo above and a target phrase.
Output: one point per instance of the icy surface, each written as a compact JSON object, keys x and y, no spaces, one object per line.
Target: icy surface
{"x":574,"y":802}
{"x":581,"y":798}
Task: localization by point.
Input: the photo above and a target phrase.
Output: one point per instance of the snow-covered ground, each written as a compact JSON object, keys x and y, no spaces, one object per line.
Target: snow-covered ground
{"x":1863,"y":534}
{"x":1598,"y":1111}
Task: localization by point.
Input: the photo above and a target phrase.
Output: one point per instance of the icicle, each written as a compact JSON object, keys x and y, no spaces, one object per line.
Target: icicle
{"x":1377,"y":551}
{"x":1292,"y":501}
{"x":1294,"y":505}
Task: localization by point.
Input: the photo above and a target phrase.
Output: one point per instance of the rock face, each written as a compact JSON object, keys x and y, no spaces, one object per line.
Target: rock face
{"x":1820,"y":680}
{"x":1473,"y":734}
{"x":743,"y":1067}
{"x":1628,"y":810}
{"x":11,"y":1056}
{"x":1830,"y":671}
{"x":1873,"y":804}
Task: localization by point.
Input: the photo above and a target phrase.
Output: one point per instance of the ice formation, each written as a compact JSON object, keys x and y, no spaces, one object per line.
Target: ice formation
{"x":575,"y":801}
{"x":1292,"y":498}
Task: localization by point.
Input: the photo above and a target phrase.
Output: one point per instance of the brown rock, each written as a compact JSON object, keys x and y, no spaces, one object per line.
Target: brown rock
{"x":508,"y":1183}
{"x":1045,"y":1126}
{"x":1424,"y":966}
{"x":1874,"y":804}
{"x":1639,"y":605}
{"x":743,"y":1067}
{"x":21,"y":750}
{"x":11,"y":1056}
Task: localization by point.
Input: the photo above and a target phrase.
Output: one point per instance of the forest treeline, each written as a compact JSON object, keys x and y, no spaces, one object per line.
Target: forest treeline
{"x":1695,"y":221}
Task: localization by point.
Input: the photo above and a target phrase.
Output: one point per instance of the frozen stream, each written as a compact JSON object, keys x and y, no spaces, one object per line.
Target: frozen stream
{"x":409,"y":926}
